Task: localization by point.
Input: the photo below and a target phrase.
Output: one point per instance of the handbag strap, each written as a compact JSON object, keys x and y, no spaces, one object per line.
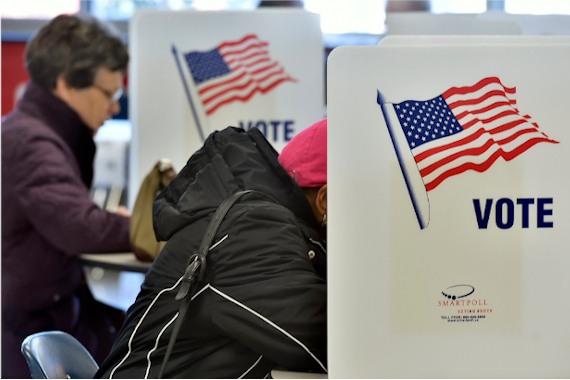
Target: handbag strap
{"x":195,"y":270}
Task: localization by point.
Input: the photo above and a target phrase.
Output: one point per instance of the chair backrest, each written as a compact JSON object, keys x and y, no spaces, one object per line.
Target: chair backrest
{"x":58,"y":355}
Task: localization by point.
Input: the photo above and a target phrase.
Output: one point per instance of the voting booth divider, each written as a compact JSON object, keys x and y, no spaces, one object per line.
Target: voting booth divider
{"x":196,"y":72}
{"x":448,"y":209}
{"x":426,"y":23}
{"x":492,"y":23}
{"x":533,"y":24}
{"x":471,"y":40}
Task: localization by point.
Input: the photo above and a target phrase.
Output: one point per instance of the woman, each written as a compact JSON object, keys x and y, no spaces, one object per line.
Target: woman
{"x":76,"y":69}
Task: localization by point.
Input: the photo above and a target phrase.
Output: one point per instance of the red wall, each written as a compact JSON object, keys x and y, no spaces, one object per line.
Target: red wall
{"x":14,"y":73}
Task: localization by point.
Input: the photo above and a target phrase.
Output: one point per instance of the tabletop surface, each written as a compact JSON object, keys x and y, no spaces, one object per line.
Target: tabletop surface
{"x":125,"y":261}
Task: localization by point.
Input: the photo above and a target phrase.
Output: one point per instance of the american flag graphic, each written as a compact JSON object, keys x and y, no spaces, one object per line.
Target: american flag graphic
{"x":466,"y":128}
{"x":234,"y":71}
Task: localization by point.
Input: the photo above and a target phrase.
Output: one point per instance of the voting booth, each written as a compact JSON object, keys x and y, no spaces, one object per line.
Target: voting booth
{"x":425,"y":23}
{"x":471,"y":40}
{"x":448,"y":211}
{"x":533,"y":24}
{"x":192,"y":73}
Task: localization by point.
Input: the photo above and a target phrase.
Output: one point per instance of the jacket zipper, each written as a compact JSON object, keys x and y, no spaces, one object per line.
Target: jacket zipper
{"x":318,"y":243}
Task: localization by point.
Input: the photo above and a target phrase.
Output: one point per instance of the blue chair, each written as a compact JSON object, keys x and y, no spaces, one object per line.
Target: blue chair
{"x":58,"y":355}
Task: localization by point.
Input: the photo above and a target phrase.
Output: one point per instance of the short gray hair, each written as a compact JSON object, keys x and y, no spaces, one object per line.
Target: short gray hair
{"x":75,"y":47}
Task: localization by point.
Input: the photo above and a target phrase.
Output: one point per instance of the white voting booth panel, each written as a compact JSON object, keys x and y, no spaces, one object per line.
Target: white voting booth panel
{"x":472,"y":40}
{"x":531,"y":24}
{"x":448,"y":257}
{"x":425,"y":23}
{"x":192,"y":73}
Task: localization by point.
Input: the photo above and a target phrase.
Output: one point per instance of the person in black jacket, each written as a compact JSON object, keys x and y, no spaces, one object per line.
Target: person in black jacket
{"x":262,"y":299}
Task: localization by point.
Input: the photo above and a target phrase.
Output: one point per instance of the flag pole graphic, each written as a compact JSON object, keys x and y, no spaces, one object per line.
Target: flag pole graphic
{"x":422,"y":219}
{"x":175,"y":52}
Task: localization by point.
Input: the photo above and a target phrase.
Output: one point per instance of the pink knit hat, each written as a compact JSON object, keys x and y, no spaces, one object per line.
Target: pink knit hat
{"x":305,"y":156}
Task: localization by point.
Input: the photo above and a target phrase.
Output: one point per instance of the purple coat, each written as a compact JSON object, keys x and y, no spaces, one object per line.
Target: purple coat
{"x":48,"y":218}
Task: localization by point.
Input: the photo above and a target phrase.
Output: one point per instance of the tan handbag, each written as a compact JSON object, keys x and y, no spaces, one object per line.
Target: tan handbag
{"x":143,"y":240}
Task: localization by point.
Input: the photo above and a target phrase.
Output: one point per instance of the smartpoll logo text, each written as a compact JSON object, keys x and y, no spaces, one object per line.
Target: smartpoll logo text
{"x":457,"y":295}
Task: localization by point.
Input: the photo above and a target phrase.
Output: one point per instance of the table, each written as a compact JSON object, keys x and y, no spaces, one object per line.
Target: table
{"x":114,"y":278}
{"x":126,"y":261}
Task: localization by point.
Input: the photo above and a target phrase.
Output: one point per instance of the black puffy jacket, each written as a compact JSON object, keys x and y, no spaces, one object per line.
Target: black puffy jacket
{"x":262,"y":301}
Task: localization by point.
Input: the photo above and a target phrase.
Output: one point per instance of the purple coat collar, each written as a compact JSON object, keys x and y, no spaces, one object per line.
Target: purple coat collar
{"x":41,"y":103}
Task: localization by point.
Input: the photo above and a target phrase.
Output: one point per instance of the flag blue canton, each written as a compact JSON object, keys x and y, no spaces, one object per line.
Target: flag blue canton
{"x":425,"y":121}
{"x":206,"y":65}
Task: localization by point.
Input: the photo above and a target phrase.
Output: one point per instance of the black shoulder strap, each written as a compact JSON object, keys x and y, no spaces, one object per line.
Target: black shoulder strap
{"x":195,"y":270}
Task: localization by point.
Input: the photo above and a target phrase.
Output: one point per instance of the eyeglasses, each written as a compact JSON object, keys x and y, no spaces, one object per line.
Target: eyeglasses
{"x":112,"y":97}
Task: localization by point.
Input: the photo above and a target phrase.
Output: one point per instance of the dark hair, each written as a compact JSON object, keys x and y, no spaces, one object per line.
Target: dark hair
{"x":74,"y":47}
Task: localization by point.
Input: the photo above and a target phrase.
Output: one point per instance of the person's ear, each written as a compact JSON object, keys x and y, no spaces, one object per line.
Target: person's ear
{"x":62,"y":88}
{"x":321,"y":201}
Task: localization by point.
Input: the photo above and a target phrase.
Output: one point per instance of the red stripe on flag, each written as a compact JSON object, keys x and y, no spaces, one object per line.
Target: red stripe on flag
{"x":213,"y":86}
{"x":428,"y":153}
{"x":487,"y":164}
{"x":492,"y":118}
{"x":475,"y":151}
{"x":491,"y":107}
{"x":258,"y":71}
{"x":282,"y":71}
{"x":482,"y":83}
{"x":498,"y":116}
{"x":260,"y":53}
{"x":471,"y":102}
{"x":470,"y":124}
{"x":236,"y":79}
{"x":234,"y":43}
{"x":242,"y":86}
{"x":248,"y":96}
{"x":235,"y":88}
{"x":230,"y":54}
{"x":462,"y":115}
{"x":507,"y":126}
{"x":246,"y":67}
{"x":512,"y":137}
